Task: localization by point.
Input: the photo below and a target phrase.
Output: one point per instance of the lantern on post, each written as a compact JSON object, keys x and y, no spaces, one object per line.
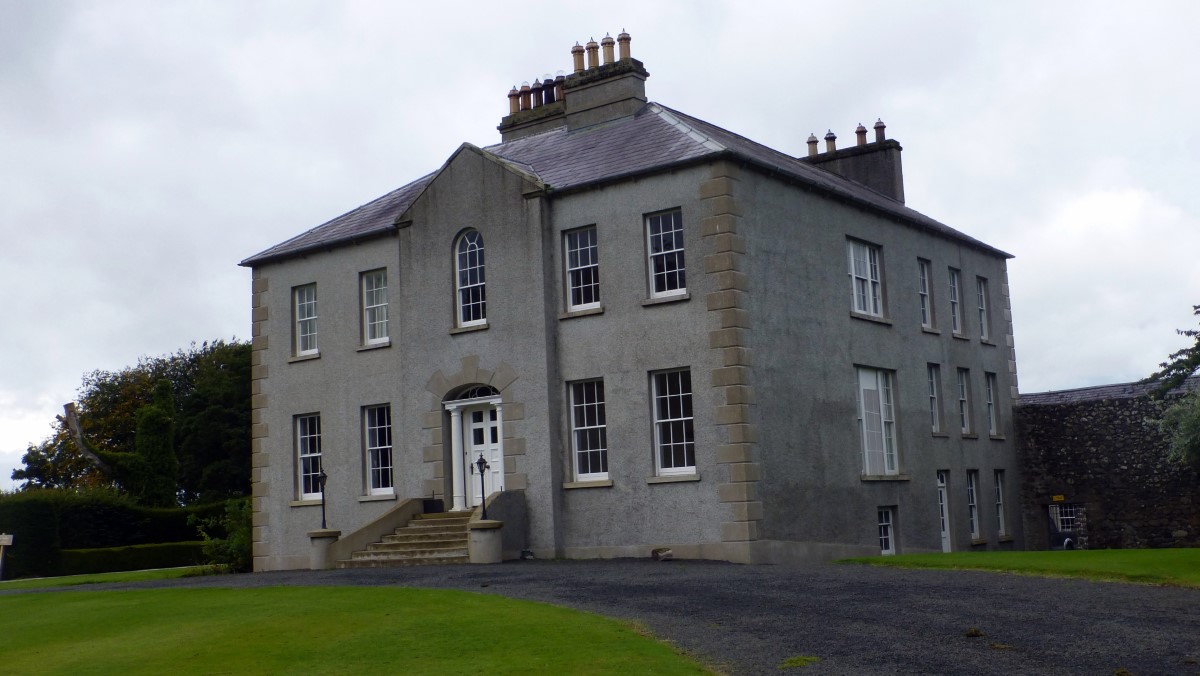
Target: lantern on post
{"x":323,"y":477}
{"x":482,"y":465}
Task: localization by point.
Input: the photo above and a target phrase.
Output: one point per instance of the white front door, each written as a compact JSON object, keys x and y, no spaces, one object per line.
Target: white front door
{"x":943,"y":510}
{"x":481,"y":437}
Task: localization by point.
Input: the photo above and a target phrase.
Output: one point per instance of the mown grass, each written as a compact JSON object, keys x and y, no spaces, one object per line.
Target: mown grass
{"x":1175,"y":567}
{"x":317,"y":630}
{"x":99,"y":578}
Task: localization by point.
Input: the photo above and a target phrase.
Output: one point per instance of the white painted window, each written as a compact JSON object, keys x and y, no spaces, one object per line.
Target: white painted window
{"x":375,"y":307}
{"x":865,"y":278}
{"x":923,"y":293}
{"x":589,"y":435}
{"x":989,"y":381}
{"x":877,"y":422}
{"x":981,"y":299}
{"x":944,"y":509}
{"x":583,"y":269}
{"x":964,"y":400}
{"x":674,"y":437}
{"x":471,"y":290}
{"x":377,"y":423}
{"x":934,"y":378}
{"x":1001,"y":527}
{"x":955,"y":310}
{"x":887,"y":532}
{"x":1065,"y":516}
{"x":305,"y":298}
{"x":664,"y":235}
{"x":972,"y":505}
{"x":308,"y":455}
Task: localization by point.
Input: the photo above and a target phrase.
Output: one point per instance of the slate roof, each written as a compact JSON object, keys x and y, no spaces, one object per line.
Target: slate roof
{"x":654,"y":139}
{"x":1101,"y":392}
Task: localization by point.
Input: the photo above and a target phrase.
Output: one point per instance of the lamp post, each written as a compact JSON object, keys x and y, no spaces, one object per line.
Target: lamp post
{"x":323,"y":477}
{"x":482,"y":465}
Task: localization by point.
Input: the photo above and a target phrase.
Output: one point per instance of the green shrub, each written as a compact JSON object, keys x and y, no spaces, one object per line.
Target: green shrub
{"x":227,"y":538}
{"x":35,"y":539}
{"x":133,"y":557}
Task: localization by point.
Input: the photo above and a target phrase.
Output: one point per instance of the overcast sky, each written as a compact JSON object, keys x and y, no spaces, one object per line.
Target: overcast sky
{"x":146,"y":147}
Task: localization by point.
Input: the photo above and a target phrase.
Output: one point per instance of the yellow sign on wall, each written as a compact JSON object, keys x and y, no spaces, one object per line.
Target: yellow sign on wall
{"x":1058,"y":498}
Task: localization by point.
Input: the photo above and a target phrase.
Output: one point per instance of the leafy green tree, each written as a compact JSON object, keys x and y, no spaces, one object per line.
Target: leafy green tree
{"x":56,"y":463}
{"x":1181,"y":420}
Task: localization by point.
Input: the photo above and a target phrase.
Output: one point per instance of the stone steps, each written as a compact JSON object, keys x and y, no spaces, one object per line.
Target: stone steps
{"x":429,"y":539}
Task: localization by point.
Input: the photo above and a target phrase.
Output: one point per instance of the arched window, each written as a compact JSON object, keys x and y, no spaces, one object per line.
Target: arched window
{"x":471,"y":293}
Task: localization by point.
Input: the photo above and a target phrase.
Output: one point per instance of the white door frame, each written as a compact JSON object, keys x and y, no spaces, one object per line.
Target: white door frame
{"x":458,"y":460}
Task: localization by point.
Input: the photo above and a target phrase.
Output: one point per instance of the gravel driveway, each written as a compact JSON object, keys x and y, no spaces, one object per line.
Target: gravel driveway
{"x":856,"y":619}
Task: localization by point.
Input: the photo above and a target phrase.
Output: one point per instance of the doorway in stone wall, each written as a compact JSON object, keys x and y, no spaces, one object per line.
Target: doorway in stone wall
{"x":476,"y":430}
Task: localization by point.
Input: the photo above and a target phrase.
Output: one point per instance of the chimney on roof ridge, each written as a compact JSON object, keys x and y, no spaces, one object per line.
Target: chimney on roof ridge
{"x":875,"y":165}
{"x":592,"y":94}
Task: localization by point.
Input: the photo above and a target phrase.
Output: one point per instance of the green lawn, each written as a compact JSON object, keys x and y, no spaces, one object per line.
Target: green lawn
{"x":97,"y":578}
{"x":317,"y":630}
{"x":1176,"y":567}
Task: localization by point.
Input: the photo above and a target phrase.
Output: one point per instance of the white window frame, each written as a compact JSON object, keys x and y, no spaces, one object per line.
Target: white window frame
{"x":304,"y":308}
{"x":943,"y":493}
{"x":866,"y":277}
{"x":307,"y":431}
{"x":963,"y":380}
{"x":981,"y":298}
{"x":972,"y":505}
{"x":470,"y":280}
{"x":989,"y":381}
{"x":926,"y":300}
{"x":956,"y":325}
{"x":933,"y":375}
{"x":589,"y":433}
{"x":1065,"y":514}
{"x":1001,"y":525}
{"x":374,"y":291}
{"x":877,"y":421}
{"x":581,"y":258}
{"x":886,"y":517}
{"x":666,"y":263}
{"x":377,"y":443}
{"x":674,"y":431}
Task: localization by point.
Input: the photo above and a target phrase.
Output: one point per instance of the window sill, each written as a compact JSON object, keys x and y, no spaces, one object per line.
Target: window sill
{"x":1006,"y":538}
{"x":594,"y":483}
{"x":571,"y":314}
{"x":468,"y":329}
{"x":930,"y":330}
{"x":304,"y":357}
{"x":870,"y":318}
{"x":662,"y":300}
{"x":975,"y":542}
{"x":987,"y":341}
{"x":304,"y":503}
{"x":885,"y":477}
{"x":672,"y":478}
{"x":376,"y":346}
{"x":970,"y":435}
{"x":997,"y":437}
{"x":959,"y":336}
{"x":376,"y":498}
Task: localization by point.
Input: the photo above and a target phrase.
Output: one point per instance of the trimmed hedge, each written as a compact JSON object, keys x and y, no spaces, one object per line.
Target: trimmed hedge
{"x":44,"y":522}
{"x":133,"y":557}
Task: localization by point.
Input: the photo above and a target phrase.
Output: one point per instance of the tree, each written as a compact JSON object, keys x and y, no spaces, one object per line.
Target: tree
{"x":1181,"y":420}
{"x":194,"y":403}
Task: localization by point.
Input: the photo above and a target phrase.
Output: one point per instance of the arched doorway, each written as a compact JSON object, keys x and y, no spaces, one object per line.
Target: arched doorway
{"x":476,"y":430}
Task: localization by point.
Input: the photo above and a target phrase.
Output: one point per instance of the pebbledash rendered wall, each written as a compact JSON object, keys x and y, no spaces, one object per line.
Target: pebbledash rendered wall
{"x":1101,"y":448}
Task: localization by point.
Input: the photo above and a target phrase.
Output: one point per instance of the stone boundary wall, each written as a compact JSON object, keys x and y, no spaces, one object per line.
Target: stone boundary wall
{"x":1101,"y":448}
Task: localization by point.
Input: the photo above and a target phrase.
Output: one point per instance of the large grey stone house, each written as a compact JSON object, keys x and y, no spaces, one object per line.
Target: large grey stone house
{"x":657,"y":333}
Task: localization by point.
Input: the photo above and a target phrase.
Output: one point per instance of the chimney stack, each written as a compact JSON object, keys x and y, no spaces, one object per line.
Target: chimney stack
{"x":874,"y":165}
{"x":861,"y":133}
{"x":830,"y":141}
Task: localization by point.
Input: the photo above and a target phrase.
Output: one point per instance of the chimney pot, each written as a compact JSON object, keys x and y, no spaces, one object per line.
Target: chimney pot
{"x":526,"y":104}
{"x":830,"y":141}
{"x":536,"y":93}
{"x":577,"y":57}
{"x":559,"y":79}
{"x":879,"y":127}
{"x":549,"y":95}
{"x":861,"y":133}
{"x":812,"y":145}
{"x":608,"y":43}
{"x":514,"y":100}
{"x":623,"y":44}
{"x":593,"y":54}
